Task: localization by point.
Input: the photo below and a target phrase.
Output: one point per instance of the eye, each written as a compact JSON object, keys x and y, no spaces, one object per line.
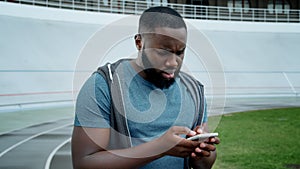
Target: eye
{"x":178,"y":53}
{"x":166,"y":52}
{"x":163,"y":52}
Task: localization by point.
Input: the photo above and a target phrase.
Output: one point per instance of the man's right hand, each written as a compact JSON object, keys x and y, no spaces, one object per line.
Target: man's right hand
{"x":174,"y":145}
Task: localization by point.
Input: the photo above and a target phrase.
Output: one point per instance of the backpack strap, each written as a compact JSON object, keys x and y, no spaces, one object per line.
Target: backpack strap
{"x":196,"y":90}
{"x":119,"y":134}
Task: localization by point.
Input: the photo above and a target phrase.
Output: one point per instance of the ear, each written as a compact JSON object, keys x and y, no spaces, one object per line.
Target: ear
{"x":138,"y":41}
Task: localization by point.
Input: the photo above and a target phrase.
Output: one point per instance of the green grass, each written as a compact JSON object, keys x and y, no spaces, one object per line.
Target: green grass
{"x":266,"y":139}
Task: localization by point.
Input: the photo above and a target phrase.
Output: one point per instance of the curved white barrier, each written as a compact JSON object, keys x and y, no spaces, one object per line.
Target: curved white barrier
{"x":39,"y":48}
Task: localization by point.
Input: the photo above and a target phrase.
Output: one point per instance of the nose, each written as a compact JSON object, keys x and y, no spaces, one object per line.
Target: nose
{"x":172,"y":60}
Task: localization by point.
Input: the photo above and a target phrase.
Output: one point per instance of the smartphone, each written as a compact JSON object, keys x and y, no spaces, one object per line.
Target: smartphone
{"x":201,"y":137}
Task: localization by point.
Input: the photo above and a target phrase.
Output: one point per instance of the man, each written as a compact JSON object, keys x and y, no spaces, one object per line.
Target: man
{"x":136,"y":113}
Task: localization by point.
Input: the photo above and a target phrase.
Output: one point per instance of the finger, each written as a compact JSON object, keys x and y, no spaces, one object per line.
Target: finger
{"x":200,"y":154}
{"x":191,"y":133}
{"x":207,"y":147}
{"x":193,"y":155}
{"x":182,"y":130}
{"x":198,"y":130}
{"x":198,"y":150}
{"x":213,"y":140}
{"x":204,"y":153}
{"x":203,"y":150}
{"x":217,"y":140}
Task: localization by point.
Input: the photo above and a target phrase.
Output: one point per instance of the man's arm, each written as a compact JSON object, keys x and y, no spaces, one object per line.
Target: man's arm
{"x":89,"y":149}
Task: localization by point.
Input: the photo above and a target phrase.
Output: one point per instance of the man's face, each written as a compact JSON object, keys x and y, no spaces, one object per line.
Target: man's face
{"x":162,"y":55}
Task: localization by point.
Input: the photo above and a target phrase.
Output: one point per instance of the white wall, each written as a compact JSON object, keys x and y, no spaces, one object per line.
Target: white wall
{"x":258,"y":58}
{"x":40,"y":51}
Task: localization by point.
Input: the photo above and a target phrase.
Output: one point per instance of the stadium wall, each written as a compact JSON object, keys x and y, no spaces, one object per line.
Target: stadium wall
{"x":41,"y":48}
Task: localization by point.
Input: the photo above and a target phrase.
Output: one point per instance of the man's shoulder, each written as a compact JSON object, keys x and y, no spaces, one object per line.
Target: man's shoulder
{"x":188,"y":78}
{"x":108,"y":69}
{"x":115,"y":64}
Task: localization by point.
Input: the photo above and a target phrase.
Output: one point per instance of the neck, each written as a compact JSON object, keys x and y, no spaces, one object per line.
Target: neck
{"x":139,"y":62}
{"x":138,"y":66}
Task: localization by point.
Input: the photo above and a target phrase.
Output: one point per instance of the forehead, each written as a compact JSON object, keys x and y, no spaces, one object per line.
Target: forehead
{"x":170,"y":35}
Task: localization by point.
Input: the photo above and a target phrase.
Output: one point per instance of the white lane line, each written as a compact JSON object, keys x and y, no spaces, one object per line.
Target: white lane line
{"x":29,"y":138}
{"x":30,"y":125}
{"x":290,"y":83}
{"x":50,"y":157}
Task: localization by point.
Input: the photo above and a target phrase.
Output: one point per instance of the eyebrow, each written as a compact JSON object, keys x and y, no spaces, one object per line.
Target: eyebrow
{"x":179,"y":52}
{"x":171,"y":50}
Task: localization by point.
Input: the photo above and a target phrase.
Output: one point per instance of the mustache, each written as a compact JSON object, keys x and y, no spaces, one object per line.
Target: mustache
{"x":147,"y":64}
{"x":154,"y":76}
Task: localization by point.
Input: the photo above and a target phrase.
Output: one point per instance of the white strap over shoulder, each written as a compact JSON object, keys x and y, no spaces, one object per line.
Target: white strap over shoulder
{"x":110,"y":73}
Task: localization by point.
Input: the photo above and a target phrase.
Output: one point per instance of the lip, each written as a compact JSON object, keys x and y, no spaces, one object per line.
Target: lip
{"x":170,"y":71}
{"x":168,"y":74}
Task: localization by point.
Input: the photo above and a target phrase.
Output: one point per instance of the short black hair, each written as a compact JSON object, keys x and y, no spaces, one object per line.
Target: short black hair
{"x":160,"y":16}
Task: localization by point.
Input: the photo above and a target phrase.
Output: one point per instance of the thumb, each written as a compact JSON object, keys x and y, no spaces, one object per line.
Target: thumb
{"x":198,"y":130}
{"x":183,"y":130}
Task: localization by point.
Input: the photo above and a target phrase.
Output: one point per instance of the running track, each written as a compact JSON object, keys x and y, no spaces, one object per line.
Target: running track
{"x":36,"y":147}
{"x":47,"y":145}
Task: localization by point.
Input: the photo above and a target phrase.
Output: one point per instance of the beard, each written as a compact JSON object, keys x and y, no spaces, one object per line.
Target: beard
{"x":154,"y":75}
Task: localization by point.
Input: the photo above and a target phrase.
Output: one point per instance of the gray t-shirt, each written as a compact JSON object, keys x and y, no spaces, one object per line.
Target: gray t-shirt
{"x":150,"y":111}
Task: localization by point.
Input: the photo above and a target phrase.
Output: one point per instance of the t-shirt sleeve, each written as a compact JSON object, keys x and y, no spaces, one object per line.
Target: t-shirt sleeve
{"x":93,"y":103}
